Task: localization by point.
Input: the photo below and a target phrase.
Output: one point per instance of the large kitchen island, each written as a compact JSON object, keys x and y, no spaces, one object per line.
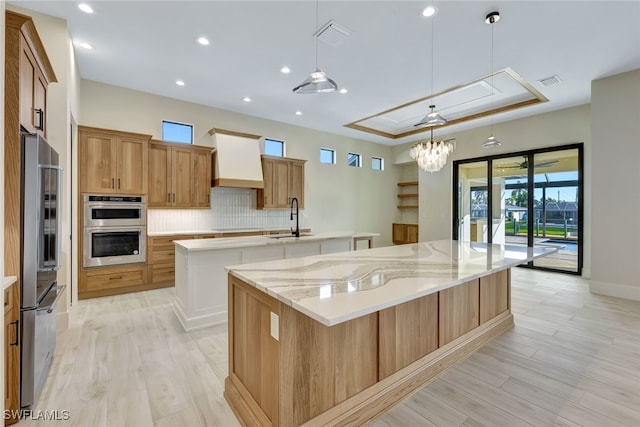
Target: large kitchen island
{"x":338,"y":339}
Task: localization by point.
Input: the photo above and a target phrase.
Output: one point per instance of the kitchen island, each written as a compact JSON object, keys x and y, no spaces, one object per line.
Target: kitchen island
{"x":201,"y":278}
{"x":338,"y":339}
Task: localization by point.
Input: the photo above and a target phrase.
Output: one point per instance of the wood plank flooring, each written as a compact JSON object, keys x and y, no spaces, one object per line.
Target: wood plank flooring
{"x":573,"y":359}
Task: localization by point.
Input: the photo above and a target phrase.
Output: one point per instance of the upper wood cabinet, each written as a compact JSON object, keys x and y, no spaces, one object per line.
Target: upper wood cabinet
{"x":179,"y":175}
{"x":33,"y":91}
{"x":112,"y":161}
{"x":283,"y":180}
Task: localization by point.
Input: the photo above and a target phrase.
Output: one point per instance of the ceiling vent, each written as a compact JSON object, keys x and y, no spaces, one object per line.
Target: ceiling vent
{"x":551,"y":80}
{"x":332,"y":34}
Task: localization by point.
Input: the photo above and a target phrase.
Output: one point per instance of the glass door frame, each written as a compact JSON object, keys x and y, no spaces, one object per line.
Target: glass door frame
{"x":529,"y":154}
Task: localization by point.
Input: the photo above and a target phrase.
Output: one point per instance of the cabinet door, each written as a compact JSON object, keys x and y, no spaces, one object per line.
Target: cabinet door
{"x":296,"y":182}
{"x":98,"y":163}
{"x":280,"y":184}
{"x":12,"y":354}
{"x":411,"y":233}
{"x":399,"y":234}
{"x":132,"y":166}
{"x":40,"y":105}
{"x":159,"y":180}
{"x":201,"y":166}
{"x":182,"y":177}
{"x":28,"y":71}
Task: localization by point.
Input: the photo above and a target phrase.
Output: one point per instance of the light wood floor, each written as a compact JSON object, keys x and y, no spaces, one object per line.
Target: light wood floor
{"x":572,"y":359}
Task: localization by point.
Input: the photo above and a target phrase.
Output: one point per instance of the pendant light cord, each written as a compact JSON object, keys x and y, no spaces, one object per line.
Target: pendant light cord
{"x":492,"y":75}
{"x":432,"y":23}
{"x":315,"y":37}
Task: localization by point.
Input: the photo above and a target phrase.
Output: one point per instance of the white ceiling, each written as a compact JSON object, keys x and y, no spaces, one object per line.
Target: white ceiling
{"x":148,"y":45}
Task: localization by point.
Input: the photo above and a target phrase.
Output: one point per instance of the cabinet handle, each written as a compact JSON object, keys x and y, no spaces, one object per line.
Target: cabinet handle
{"x":168,"y":197}
{"x":118,"y":183}
{"x":40,"y":114}
{"x":113,"y":183}
{"x":174,"y":197}
{"x":171,"y":271}
{"x":265,"y":200}
{"x":17,"y":343}
{"x":208,"y":196}
{"x":115,"y":278}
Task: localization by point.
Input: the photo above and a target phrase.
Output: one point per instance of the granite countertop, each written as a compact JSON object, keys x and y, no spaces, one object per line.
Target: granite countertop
{"x":248,"y":241}
{"x":335,"y":288}
{"x":8,"y":281}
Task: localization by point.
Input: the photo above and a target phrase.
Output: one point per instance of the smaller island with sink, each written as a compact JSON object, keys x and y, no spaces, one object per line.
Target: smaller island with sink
{"x":201,"y":277}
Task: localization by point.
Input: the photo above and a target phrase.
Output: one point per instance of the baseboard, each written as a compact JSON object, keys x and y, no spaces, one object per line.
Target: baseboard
{"x":615,"y":290}
{"x":62,"y":320}
{"x":193,"y":323}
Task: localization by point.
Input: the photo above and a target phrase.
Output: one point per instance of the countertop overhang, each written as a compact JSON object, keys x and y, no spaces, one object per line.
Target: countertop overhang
{"x":339,"y":287}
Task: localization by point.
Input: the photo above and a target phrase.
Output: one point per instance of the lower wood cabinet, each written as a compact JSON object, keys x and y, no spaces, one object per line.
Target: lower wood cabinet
{"x":161,"y":258}
{"x":405,"y":233}
{"x":11,"y":353}
{"x":103,"y":281}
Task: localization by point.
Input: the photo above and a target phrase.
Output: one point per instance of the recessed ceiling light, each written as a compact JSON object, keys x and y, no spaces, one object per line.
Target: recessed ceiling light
{"x":285,"y":70}
{"x":246,"y":99}
{"x":85,"y":45}
{"x":85,"y":8}
{"x":344,"y":90}
{"x":429,"y":11}
{"x":298,"y":113}
{"x":179,"y":82}
{"x":202,"y":40}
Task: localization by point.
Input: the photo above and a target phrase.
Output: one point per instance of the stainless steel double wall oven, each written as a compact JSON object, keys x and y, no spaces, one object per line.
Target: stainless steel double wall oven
{"x":115,"y":230}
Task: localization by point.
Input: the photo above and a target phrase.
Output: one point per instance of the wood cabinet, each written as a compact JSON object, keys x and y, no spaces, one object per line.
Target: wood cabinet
{"x":161,"y":259}
{"x":33,"y":92}
{"x":283,"y":180}
{"x":179,"y":175}
{"x":12,"y":351}
{"x":404,"y":233}
{"x":27,"y":74}
{"x":103,"y":281}
{"x":112,"y":161}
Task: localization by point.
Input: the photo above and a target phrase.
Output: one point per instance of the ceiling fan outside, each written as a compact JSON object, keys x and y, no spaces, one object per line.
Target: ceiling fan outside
{"x":525,"y":164}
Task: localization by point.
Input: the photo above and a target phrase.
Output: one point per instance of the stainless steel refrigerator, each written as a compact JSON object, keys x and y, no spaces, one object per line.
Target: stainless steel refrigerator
{"x":40,"y":259}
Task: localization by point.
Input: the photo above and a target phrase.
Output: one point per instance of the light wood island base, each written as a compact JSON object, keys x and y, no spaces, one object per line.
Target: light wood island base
{"x":353,"y":372}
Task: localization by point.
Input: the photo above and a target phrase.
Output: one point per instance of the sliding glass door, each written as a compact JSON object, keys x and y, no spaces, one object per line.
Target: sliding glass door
{"x":531,"y":198}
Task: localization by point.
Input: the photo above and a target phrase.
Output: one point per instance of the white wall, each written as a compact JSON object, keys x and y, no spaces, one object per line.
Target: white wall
{"x":561,"y":127}
{"x":615,"y":128}
{"x":62,"y":103}
{"x":337,"y":197}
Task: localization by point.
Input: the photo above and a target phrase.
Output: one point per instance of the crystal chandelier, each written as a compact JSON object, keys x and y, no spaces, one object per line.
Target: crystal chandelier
{"x":431,"y":156}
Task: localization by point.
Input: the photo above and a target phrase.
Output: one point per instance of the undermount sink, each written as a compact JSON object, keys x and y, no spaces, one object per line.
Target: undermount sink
{"x":287,"y":236}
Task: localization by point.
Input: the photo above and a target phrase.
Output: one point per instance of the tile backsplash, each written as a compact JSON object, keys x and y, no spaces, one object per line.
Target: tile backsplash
{"x":231,"y":208}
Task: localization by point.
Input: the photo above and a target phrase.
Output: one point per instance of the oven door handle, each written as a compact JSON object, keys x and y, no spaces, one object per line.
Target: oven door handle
{"x":49,"y":308}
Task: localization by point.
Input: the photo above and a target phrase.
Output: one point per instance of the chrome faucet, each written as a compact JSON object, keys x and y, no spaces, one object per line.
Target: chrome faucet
{"x":295,"y":232}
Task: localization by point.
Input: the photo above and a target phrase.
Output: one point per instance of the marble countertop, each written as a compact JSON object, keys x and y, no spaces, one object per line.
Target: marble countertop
{"x":8,"y":281}
{"x":334,"y":288}
{"x":250,"y":241}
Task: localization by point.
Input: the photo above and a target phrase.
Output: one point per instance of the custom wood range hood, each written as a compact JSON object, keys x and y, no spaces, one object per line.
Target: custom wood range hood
{"x":236,"y":159}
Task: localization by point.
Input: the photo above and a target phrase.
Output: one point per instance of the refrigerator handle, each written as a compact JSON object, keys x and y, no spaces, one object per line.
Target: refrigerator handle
{"x":58,"y":262}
